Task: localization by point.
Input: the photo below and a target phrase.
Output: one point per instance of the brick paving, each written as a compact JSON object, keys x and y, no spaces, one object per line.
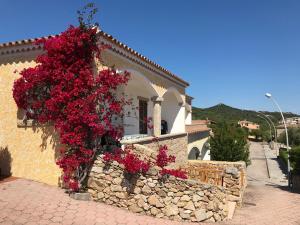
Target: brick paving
{"x":268,"y":204}
{"x":267,"y":200}
{"x":28,"y":202}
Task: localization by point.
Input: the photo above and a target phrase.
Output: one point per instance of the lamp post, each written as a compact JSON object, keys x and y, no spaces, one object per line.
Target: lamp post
{"x":269,"y":96}
{"x":275,"y":130}
{"x":268,"y":124}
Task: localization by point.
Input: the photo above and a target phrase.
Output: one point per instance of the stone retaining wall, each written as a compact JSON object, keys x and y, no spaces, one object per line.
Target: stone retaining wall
{"x":230,"y":175}
{"x":175,"y":199}
{"x":177,"y":144}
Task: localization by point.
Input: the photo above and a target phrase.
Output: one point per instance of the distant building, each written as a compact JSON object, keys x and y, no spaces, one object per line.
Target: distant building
{"x":292,"y":121}
{"x":248,"y":124}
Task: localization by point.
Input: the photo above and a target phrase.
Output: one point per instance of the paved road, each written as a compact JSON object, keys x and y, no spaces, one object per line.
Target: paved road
{"x":266,"y":201}
{"x":257,"y":172}
{"x":27,"y":202}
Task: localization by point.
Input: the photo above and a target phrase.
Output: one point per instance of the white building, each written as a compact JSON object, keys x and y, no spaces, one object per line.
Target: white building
{"x":156,"y":93}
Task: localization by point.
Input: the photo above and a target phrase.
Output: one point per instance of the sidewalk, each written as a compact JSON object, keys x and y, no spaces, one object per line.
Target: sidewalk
{"x":276,"y":171}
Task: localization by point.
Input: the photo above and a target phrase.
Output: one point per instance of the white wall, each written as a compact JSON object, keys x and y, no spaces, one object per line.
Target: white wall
{"x":131,"y":114}
{"x":188,"y":118}
{"x":173,"y":113}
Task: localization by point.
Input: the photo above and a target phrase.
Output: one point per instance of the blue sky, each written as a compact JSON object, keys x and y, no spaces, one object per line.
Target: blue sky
{"x":230,"y":51}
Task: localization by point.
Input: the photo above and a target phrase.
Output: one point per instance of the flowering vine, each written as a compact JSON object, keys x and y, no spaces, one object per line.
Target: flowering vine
{"x":131,"y":162}
{"x":63,"y":89}
{"x":163,"y":160}
{"x":134,"y":165}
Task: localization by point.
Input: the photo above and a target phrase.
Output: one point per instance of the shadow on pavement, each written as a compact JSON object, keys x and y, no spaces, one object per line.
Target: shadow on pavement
{"x":282,"y":165}
{"x":284,"y":188}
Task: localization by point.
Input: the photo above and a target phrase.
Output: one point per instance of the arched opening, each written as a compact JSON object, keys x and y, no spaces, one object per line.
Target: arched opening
{"x":140,"y":91}
{"x":173,"y":112}
{"x":194,"y":154}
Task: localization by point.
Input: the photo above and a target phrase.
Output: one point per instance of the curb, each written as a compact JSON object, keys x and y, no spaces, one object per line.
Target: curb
{"x":267,"y":163}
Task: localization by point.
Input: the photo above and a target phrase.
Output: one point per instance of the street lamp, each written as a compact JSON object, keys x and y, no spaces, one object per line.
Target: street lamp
{"x":276,"y":134}
{"x":269,"y":96}
{"x":268,"y":125}
{"x":275,"y":130}
{"x":268,"y":116}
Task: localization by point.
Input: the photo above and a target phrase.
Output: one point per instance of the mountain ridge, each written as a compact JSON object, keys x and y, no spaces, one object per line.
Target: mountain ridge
{"x":222,"y":112}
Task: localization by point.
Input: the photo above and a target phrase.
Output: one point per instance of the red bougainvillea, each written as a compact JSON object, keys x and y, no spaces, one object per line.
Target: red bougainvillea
{"x":163,"y":160}
{"x":134,"y":165}
{"x":174,"y":172}
{"x":64,"y":89}
{"x":131,"y":162}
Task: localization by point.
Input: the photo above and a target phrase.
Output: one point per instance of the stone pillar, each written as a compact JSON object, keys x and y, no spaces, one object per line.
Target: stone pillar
{"x":156,"y":118}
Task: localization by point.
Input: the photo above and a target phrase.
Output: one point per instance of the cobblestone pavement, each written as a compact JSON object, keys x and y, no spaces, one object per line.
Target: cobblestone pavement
{"x":28,"y":202}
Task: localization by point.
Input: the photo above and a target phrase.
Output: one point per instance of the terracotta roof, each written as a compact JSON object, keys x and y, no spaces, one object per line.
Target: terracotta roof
{"x":195,"y":128}
{"x":109,"y":38}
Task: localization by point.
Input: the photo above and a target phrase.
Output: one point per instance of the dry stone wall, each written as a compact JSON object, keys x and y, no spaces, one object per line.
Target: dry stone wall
{"x":230,"y":175}
{"x":176,"y":199}
{"x":177,"y":144}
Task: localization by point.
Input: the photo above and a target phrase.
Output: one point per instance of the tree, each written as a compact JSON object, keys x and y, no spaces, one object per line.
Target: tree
{"x":294,"y":136}
{"x":229,"y":143}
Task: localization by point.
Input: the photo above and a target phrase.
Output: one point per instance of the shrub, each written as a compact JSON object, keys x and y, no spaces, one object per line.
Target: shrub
{"x":229,"y":143}
{"x":283,"y":155}
{"x":295,"y":159}
{"x":294,"y":136}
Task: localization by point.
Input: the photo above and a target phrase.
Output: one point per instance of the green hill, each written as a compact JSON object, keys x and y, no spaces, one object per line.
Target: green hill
{"x":222,"y":112}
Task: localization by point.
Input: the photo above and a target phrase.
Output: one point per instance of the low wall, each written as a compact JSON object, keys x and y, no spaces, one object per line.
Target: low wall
{"x":230,"y":175}
{"x":177,"y":144}
{"x":175,"y":199}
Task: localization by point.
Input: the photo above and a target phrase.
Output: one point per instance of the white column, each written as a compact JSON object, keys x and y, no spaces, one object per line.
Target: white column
{"x":156,"y":115}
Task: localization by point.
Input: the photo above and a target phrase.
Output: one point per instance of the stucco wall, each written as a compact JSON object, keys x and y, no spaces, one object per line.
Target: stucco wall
{"x":172,"y":112}
{"x":188,"y":117}
{"x":134,"y":90}
{"x":31,"y":149}
{"x":131,"y":114}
